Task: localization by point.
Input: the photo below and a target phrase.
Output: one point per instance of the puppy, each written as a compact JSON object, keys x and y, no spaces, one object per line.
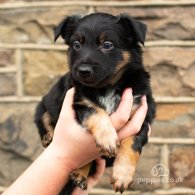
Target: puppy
{"x":105,"y":57}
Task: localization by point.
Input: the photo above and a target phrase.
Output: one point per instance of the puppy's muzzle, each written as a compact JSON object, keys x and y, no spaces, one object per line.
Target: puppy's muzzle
{"x":85,"y":71}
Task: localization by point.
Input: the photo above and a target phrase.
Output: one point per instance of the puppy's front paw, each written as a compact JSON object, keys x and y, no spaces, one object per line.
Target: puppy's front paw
{"x":99,"y":124}
{"x":107,"y":142}
{"x":122,"y":175}
{"x":124,"y":165}
{"x":79,"y":179}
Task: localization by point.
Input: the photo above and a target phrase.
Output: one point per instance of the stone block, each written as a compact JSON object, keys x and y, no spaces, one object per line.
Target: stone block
{"x":19,"y":141}
{"x":175,"y":191}
{"x":189,"y":78}
{"x":171,"y":70}
{"x":180,"y":57}
{"x":11,"y":167}
{"x":33,"y":25}
{"x":171,"y":23}
{"x":165,"y":81}
{"x":182,"y":165}
{"x":143,"y":180}
{"x":7,"y":57}
{"x":42,"y":69}
{"x":174,"y":121}
{"x":8,"y":84}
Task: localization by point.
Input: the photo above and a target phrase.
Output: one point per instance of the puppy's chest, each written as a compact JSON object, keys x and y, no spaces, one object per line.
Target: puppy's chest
{"x":109,"y":101}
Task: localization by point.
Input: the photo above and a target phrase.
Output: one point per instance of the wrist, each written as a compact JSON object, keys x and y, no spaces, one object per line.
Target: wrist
{"x":62,"y":158}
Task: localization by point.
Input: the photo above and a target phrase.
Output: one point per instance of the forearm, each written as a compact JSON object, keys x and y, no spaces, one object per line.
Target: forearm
{"x":46,"y":176}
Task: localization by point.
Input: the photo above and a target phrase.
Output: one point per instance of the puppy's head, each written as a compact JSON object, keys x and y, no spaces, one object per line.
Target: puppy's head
{"x":101,"y":46}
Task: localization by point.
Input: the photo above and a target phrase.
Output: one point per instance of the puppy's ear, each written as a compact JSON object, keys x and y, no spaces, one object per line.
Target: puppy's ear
{"x":66,"y":27}
{"x":133,"y":27}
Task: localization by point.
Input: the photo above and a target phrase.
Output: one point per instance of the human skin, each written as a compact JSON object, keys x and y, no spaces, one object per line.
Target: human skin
{"x":50,"y":171}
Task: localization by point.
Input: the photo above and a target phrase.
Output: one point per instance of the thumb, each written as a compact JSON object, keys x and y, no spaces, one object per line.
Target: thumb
{"x":67,"y":110}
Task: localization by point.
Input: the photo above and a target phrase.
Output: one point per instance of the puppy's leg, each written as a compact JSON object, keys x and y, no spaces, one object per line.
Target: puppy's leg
{"x":124,"y":165}
{"x":47,"y":138}
{"x":127,"y":159}
{"x":79,"y":176}
{"x":99,"y":124}
{"x":97,"y":121}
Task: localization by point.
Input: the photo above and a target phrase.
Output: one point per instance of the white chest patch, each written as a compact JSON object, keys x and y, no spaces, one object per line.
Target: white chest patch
{"x":110,"y":101}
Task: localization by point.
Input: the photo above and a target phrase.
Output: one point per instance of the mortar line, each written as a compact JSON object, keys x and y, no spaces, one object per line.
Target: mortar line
{"x":183,"y":141}
{"x":158,"y":100}
{"x":97,"y":3}
{"x":10,"y":69}
{"x":165,"y":162}
{"x":19,"y":75}
{"x":35,"y":46}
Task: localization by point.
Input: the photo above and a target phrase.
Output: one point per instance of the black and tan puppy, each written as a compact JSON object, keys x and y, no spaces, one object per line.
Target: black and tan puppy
{"x":105,"y":57}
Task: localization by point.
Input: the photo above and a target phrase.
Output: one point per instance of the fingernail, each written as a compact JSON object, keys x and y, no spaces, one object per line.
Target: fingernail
{"x":129,"y":90}
{"x":144,"y":98}
{"x":127,"y":93}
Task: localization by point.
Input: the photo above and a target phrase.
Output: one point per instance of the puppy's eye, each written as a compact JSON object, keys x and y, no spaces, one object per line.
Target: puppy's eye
{"x":76,"y":45}
{"x":108,"y":45}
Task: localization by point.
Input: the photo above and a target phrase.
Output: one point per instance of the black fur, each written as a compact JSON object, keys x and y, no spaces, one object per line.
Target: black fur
{"x":92,"y":67}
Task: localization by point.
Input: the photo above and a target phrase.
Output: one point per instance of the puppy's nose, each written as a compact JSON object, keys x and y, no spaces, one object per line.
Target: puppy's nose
{"x":84,"y":71}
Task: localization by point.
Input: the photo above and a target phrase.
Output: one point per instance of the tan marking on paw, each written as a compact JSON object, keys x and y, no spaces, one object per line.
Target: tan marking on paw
{"x":124,"y":166}
{"x":46,"y":118}
{"x":104,"y":134}
{"x":47,"y":138}
{"x":99,"y":124}
{"x":79,"y":176}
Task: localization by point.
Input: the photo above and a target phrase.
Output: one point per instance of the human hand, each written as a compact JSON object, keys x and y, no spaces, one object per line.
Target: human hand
{"x":120,"y":118}
{"x":71,"y":142}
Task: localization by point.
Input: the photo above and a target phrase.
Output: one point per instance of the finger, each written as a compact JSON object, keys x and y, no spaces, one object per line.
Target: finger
{"x":79,"y":191}
{"x":100,"y":167}
{"x":135,"y":124}
{"x":67,"y":110}
{"x":121,"y":116}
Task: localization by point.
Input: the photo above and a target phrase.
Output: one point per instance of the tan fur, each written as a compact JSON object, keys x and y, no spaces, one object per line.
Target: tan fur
{"x":124,"y":61}
{"x":80,"y":38}
{"x":47,"y":138}
{"x":120,"y":67}
{"x":102,"y":38}
{"x":126,"y":151}
{"x":99,"y":124}
{"x":84,"y":171}
{"x":124,"y":164}
{"x":79,"y":176}
{"x":47,"y":122}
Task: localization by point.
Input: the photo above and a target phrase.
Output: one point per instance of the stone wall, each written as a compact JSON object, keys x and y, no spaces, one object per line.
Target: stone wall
{"x":30,"y":64}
